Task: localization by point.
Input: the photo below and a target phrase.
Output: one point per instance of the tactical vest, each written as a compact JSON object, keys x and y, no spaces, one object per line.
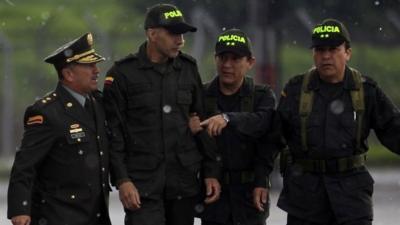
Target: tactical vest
{"x":246,"y":102}
{"x":306,"y":103}
{"x":305,"y":108}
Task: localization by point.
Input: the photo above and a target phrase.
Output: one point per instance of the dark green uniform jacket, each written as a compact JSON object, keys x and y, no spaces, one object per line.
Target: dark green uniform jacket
{"x":60,"y":173}
{"x":246,"y":154}
{"x":148,"y":107}
{"x":331,"y":135}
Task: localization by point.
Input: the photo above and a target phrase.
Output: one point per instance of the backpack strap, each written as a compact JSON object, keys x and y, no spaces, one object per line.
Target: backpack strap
{"x":305,"y":107}
{"x":210,"y":101}
{"x":247,"y":102}
{"x":357,"y":98}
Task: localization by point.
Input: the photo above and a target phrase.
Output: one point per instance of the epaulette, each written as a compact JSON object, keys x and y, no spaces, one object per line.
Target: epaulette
{"x":127,"y":58}
{"x":261,"y":87}
{"x":46,"y":99}
{"x":298,"y":79}
{"x":368,"y":80}
{"x":97,"y":94}
{"x":188,"y":57}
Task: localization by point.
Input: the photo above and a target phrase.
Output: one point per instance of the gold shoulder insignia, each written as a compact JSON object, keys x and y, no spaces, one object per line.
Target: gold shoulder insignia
{"x":283,"y":94}
{"x":38,"y":119}
{"x":47,"y":98}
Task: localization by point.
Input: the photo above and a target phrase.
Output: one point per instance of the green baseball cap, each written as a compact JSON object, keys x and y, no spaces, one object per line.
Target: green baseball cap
{"x":330,"y":32}
{"x":169,"y":17}
{"x":235,"y":41}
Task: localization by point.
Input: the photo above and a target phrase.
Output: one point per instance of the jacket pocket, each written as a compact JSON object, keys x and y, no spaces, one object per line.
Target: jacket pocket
{"x":142,"y":163}
{"x":77,"y":138}
{"x":184,"y":96}
{"x":357,"y":181}
{"x":189,"y":158}
{"x":305,"y":182}
{"x":138,"y":88}
{"x":142,"y":100}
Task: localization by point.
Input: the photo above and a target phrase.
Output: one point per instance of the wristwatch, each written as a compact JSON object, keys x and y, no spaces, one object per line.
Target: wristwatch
{"x":225,"y":117}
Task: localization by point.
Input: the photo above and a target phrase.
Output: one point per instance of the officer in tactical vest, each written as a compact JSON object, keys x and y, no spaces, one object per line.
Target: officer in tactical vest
{"x":239,"y":114}
{"x":60,"y":174}
{"x":155,"y":159}
{"x":326,"y":115}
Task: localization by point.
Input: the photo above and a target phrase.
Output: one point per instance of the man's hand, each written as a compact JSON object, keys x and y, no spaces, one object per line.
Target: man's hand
{"x":213,"y":190}
{"x":260,"y":197}
{"x":21,"y":220}
{"x":214,"y":125}
{"x":194,"y":123}
{"x":129,"y":195}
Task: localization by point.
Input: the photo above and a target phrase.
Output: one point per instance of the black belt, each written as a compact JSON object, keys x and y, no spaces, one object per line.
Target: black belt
{"x":331,"y":165}
{"x":238,"y":177}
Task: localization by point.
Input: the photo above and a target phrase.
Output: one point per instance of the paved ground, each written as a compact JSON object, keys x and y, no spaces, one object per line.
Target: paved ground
{"x":386,"y":201}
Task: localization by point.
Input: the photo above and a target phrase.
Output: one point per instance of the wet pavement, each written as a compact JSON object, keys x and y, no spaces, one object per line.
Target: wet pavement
{"x":386,"y":201}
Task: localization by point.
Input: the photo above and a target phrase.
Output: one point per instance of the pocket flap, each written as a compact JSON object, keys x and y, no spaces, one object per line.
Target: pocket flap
{"x":142,"y":162}
{"x":190,"y":157}
{"x":184,"y":97}
{"x":360,"y":180}
{"x":77,"y":137}
{"x":306,"y":182}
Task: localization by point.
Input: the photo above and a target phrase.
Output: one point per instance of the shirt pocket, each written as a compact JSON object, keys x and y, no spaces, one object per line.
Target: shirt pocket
{"x":73,"y":149}
{"x":191,"y":159}
{"x":184,"y":95}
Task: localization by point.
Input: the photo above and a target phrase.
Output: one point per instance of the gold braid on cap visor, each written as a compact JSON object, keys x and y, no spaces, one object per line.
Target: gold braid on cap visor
{"x":76,"y":57}
{"x":90,"y":58}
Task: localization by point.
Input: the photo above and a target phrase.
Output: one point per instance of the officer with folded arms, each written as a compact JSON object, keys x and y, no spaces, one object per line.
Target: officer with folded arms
{"x":326,"y":115}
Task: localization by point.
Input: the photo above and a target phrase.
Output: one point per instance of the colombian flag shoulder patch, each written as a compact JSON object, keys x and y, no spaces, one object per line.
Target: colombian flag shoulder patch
{"x":109,"y":80}
{"x":38,"y":119}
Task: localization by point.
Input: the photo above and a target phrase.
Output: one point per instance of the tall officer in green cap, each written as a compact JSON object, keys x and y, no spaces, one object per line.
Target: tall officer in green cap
{"x":327,"y":114}
{"x":149,"y":95}
{"x":239,"y":115}
{"x":60,"y":173}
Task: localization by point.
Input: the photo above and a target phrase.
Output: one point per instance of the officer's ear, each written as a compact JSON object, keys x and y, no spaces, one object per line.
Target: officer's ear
{"x":67,"y":74}
{"x":348,"y":54}
{"x":251,"y":60}
{"x":151,"y":34}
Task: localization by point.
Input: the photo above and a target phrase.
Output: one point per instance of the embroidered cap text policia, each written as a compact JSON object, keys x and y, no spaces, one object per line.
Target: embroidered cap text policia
{"x":79,"y":50}
{"x":169,"y":17}
{"x":330,"y":32}
{"x":235,"y":41}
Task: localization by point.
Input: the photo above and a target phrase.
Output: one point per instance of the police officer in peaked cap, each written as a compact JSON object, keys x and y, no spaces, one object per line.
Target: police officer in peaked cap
{"x":60,"y":173}
{"x":155,"y":160}
{"x":326,"y":116}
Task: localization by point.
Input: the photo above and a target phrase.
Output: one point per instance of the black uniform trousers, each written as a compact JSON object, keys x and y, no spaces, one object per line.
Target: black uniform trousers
{"x":292,"y":220}
{"x":168,"y":212}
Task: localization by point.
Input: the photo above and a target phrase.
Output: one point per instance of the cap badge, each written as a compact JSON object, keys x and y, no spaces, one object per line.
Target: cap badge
{"x":68,"y":52}
{"x":231,"y":37}
{"x":173,"y":14}
{"x":326,"y":29}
